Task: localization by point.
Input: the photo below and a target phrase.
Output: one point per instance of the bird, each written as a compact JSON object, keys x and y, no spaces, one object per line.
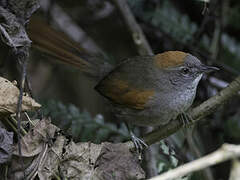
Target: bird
{"x":148,"y":90}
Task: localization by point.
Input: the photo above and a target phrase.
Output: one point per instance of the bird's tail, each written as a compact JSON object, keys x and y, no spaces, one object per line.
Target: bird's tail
{"x":57,"y":45}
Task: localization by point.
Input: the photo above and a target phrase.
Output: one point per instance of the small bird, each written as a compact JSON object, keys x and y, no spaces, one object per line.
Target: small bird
{"x":143,"y":90}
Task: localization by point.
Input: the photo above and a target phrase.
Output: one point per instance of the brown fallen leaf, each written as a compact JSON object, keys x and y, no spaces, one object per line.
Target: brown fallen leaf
{"x":9,"y":94}
{"x":48,"y":154}
{"x":33,"y":143}
{"x":36,"y":147}
{"x":117,"y":162}
{"x":100,"y":162}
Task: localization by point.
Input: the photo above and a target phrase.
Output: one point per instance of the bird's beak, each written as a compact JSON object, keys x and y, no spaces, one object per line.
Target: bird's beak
{"x":205,"y":69}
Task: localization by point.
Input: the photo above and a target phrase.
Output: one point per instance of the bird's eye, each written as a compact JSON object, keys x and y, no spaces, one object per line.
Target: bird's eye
{"x":185,"y":70}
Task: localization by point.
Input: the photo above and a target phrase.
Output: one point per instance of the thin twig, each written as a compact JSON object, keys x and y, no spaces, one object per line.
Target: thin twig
{"x":11,"y":124}
{"x":22,"y":58}
{"x":136,"y":31}
{"x":207,"y":18}
{"x":226,"y":152}
{"x":24,"y":132}
{"x":40,"y":160}
{"x":29,"y":119}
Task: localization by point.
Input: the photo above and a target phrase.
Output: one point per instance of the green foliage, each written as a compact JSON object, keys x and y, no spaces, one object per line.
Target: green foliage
{"x":171,"y":21}
{"x":167,"y":18}
{"x":81,"y":125}
{"x":170,"y":162}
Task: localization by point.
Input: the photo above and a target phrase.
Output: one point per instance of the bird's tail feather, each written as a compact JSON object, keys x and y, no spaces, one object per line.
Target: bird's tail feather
{"x":57,"y":45}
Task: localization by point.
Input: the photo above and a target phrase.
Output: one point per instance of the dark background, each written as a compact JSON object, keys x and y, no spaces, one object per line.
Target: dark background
{"x":211,"y":34}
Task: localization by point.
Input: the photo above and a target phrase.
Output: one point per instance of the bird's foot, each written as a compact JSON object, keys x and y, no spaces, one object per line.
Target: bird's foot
{"x":186,"y":119}
{"x":138,"y":143}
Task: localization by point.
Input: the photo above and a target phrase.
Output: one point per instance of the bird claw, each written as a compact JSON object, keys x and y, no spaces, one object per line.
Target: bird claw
{"x":138,"y":143}
{"x":186,"y":119}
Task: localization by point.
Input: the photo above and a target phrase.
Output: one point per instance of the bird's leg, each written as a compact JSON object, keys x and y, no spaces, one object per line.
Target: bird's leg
{"x":186,"y":119}
{"x":138,"y":143}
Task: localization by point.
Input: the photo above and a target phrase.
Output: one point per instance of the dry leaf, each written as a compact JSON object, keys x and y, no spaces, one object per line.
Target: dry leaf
{"x":9,"y":97}
{"x":117,"y":162}
{"x":33,"y":142}
{"x":35,"y":149}
{"x":47,"y":154}
{"x":88,"y":161}
{"x":79,"y":160}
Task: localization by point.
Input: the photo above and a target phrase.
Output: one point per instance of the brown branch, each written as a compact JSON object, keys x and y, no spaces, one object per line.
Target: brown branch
{"x":136,"y":31}
{"x":196,"y":113}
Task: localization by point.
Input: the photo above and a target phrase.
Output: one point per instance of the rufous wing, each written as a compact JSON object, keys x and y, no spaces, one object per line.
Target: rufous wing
{"x":121,"y":92}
